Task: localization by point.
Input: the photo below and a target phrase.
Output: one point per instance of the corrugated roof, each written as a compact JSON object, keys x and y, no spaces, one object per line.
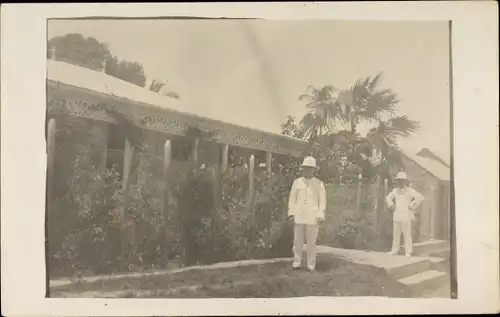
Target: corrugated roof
{"x":98,"y":81}
{"x":101,"y":82}
{"x":426,"y":152}
{"x":437,"y":169}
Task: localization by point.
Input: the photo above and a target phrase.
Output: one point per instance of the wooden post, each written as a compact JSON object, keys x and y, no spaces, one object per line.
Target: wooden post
{"x":386,"y":192}
{"x":167,"y":156}
{"x":269,"y":160}
{"x":377,"y":197}
{"x":358,"y":195}
{"x":251,"y":193}
{"x":432,"y":212}
{"x":251,"y":175}
{"x":167,"y":160}
{"x":195,"y":150}
{"x":225,"y":154}
{"x":215,"y":193}
{"x":128,"y":156}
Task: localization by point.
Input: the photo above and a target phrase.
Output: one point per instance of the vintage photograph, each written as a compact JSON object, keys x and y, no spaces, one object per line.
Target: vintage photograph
{"x":249,"y":158}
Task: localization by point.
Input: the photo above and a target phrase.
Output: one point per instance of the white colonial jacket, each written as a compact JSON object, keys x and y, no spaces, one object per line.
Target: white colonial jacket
{"x":406,"y":201}
{"x":307,"y":201}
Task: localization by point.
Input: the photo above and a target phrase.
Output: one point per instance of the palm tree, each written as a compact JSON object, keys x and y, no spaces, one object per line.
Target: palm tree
{"x":324,"y":111}
{"x":365,"y":102}
{"x":384,"y":136}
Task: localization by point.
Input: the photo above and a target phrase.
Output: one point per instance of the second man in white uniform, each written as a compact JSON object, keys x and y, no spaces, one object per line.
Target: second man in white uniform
{"x":403,"y":201}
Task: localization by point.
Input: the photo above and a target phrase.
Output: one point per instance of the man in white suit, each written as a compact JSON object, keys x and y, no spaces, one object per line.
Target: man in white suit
{"x":306,"y":205}
{"x":403,"y":200}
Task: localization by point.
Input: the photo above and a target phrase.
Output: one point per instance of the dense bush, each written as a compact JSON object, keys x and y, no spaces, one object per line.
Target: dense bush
{"x":191,"y":218}
{"x":85,"y":234}
{"x":345,"y":227}
{"x":81,"y":232}
{"x":239,"y":230}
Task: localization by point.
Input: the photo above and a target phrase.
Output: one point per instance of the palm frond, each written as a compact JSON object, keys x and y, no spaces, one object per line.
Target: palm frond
{"x":313,"y":91}
{"x":376,"y":80}
{"x":306,"y":97}
{"x":380,"y":102}
{"x":345,"y":97}
{"x":360,"y":91}
{"x":403,"y":126}
{"x":394,"y":156}
{"x":381,"y":137}
{"x":327,"y":91}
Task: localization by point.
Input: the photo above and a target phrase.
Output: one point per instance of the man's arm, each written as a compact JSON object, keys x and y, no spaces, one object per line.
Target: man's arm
{"x":292,"y":198}
{"x":390,"y":199}
{"x":322,"y":201}
{"x":417,"y":199}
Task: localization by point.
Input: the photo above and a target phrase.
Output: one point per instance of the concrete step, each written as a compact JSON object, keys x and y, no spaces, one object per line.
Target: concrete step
{"x":425,"y":282}
{"x":425,"y":248}
{"x":441,"y":253}
{"x":400,"y":271}
{"x":444,"y":265}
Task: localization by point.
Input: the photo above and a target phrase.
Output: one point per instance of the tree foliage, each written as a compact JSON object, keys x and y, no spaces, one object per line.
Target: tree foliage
{"x":333,"y":116}
{"x":87,"y":52}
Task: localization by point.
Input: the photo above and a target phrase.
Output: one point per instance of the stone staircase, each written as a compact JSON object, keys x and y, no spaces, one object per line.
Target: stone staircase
{"x":429,"y":277}
{"x":425,"y":273}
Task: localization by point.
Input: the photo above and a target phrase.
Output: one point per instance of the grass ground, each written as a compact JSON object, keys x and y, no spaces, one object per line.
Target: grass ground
{"x":333,"y":277}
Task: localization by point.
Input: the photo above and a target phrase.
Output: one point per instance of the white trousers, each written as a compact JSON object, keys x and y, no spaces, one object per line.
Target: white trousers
{"x":310,"y":232}
{"x":405,"y":228}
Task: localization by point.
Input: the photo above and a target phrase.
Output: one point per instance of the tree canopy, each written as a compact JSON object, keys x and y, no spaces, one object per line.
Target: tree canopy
{"x":330,"y":125}
{"x":88,"y":52}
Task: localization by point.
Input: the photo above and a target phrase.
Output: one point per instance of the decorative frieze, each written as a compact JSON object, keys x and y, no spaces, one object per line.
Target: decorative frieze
{"x":79,"y":108}
{"x":177,"y":124}
{"x":160,"y":124}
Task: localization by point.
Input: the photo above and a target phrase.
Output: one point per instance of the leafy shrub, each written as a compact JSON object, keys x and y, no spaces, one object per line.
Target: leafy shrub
{"x":343,"y":228}
{"x":200,"y":221}
{"x":196,"y":205}
{"x":81,"y":235}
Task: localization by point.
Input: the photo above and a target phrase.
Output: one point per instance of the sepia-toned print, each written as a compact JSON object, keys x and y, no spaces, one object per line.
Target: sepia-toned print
{"x":221,"y":158}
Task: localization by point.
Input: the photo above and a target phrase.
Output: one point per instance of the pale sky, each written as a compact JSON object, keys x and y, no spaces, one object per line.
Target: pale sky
{"x":251,"y":72}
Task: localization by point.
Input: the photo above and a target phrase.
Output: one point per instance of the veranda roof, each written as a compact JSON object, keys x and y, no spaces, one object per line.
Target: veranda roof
{"x":100,"y":82}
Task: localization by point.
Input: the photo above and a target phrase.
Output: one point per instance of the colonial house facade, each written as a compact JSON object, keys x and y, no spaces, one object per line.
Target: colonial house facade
{"x":137,"y":133}
{"x":97,"y":98}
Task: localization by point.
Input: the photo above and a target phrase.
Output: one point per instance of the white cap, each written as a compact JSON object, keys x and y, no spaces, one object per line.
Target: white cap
{"x":309,"y":162}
